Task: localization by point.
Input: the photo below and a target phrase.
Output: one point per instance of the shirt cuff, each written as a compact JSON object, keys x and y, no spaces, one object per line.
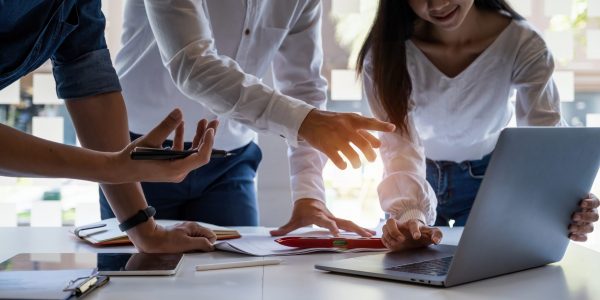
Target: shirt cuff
{"x":308,"y":186}
{"x":88,"y":75}
{"x":287,"y":115}
{"x":410,"y":214}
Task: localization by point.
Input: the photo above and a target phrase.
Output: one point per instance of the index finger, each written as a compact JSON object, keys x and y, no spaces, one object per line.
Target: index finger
{"x":373,"y":124}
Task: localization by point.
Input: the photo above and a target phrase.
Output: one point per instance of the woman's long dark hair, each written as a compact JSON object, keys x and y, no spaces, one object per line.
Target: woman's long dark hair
{"x":394,"y":25}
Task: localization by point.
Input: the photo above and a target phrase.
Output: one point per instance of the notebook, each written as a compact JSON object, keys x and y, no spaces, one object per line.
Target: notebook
{"x":111,"y":235}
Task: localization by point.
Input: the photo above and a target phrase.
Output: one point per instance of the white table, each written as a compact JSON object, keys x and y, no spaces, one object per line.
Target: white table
{"x":575,"y":277}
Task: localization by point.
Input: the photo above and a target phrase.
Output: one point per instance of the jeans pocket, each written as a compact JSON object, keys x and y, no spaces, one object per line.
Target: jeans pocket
{"x":477,"y":169}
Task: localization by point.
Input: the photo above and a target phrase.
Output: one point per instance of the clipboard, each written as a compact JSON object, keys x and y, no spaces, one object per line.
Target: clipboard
{"x":50,"y":284}
{"x":83,"y":286}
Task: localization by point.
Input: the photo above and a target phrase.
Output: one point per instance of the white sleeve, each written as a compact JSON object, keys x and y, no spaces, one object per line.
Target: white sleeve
{"x":404,"y":191}
{"x":297,"y":73}
{"x":537,"y":98}
{"x":186,"y":45}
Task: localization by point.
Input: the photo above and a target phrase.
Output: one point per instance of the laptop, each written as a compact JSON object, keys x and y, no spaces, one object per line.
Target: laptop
{"x":534,"y":182}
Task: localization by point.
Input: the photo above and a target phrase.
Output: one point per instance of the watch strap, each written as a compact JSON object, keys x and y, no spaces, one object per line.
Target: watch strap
{"x":140,"y":217}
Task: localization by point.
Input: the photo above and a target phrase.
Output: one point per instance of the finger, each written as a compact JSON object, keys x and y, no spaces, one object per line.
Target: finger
{"x":162,"y":130}
{"x":365,"y":147}
{"x":436,"y":235}
{"x":200,"y":128}
{"x":413,"y":228}
{"x":214,"y":124}
{"x":393,"y":230}
{"x":199,"y":231}
{"x":391,"y":244}
{"x":206,"y":147}
{"x":198,"y":244}
{"x":328,"y":223}
{"x":336,"y":159}
{"x":590,"y":203}
{"x":285,"y":229}
{"x":373,"y":140}
{"x":351,"y":155}
{"x":352,"y":227}
{"x":361,"y":122}
{"x":178,"y":141}
{"x":585,"y":216}
{"x":578,"y":237}
{"x":581,"y":229}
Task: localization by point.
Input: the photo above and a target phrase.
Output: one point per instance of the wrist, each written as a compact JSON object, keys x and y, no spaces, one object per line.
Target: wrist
{"x":144,"y":235}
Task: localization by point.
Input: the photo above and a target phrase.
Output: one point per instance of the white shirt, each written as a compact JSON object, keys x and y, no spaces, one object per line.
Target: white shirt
{"x":208,"y":57}
{"x":460,"y":118}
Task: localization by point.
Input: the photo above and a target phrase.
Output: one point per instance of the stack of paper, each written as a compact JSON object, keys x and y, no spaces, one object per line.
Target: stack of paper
{"x":112,"y":235}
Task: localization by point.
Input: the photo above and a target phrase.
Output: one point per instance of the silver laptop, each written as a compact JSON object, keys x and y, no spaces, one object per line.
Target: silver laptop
{"x":534,"y":182}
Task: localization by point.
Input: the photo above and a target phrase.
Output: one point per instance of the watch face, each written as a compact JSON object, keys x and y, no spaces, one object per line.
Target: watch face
{"x":150,"y":211}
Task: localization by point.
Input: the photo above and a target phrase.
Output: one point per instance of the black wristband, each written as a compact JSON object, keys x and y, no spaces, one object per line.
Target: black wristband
{"x":142,"y":216}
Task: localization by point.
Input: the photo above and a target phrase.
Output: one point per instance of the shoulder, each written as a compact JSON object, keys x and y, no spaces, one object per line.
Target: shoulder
{"x":529,"y":40}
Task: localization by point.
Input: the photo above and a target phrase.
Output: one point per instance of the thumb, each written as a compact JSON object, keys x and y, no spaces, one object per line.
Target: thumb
{"x":162,"y":130}
{"x":285,"y":229}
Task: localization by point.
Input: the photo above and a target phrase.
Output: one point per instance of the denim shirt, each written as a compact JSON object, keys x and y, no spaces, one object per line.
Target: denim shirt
{"x":69,"y":32}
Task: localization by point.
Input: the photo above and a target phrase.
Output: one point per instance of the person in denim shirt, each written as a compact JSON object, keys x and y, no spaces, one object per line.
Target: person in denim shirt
{"x":71,"y":34}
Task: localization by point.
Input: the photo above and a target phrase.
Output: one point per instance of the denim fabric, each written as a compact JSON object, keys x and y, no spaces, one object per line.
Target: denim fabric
{"x":455,"y":185}
{"x":222,"y":192}
{"x":69,"y":32}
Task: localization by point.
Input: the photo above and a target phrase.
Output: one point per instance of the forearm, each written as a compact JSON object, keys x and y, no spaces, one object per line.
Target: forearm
{"x":101,"y":124}
{"x":29,"y":156}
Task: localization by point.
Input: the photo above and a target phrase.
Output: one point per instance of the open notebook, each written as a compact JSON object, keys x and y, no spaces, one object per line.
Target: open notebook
{"x":112,"y":235}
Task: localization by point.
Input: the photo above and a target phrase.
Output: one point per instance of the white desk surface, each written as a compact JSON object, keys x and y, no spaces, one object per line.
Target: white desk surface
{"x":575,"y":277}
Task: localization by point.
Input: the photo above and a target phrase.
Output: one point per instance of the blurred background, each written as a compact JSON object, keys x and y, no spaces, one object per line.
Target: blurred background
{"x":570,"y":27}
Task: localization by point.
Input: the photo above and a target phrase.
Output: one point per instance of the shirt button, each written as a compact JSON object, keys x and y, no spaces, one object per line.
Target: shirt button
{"x":247,"y":31}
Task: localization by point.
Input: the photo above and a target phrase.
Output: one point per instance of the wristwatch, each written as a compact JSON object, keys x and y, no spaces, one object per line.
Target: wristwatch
{"x":142,"y":216}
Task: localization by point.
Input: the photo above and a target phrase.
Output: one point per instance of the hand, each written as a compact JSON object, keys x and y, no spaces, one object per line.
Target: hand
{"x":331,"y":133}
{"x":582,"y":220}
{"x":167,"y":170}
{"x":150,"y":237}
{"x":311,"y":211}
{"x":408,"y":235}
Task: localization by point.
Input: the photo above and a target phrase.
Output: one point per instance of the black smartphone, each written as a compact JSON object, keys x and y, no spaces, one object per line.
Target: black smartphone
{"x":144,"y":153}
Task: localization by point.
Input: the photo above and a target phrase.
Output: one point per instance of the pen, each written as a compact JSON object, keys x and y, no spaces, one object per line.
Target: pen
{"x":238,"y":264}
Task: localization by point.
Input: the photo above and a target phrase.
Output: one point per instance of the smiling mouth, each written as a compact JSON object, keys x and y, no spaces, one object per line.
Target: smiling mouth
{"x":445,"y":16}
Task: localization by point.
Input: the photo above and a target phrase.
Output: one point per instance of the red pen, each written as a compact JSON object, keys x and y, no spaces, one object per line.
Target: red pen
{"x":331,"y":242}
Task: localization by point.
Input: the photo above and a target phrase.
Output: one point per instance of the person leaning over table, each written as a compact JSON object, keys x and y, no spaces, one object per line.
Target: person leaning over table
{"x":71,"y":34}
{"x":443,"y":71}
{"x":208,"y":57}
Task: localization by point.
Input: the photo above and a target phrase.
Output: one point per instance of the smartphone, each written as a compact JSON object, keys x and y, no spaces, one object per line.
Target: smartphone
{"x":144,"y":153}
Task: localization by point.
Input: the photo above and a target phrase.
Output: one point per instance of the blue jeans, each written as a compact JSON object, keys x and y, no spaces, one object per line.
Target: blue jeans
{"x":221,"y":192}
{"x":455,"y":185}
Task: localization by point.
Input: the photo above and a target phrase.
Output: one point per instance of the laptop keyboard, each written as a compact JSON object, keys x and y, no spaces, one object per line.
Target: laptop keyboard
{"x":434,"y":267}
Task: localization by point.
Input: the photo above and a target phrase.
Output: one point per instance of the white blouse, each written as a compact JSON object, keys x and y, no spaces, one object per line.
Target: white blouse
{"x":460,"y":118}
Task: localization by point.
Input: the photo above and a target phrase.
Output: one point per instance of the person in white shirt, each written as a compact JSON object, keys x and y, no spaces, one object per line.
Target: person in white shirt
{"x":446,"y":84}
{"x":208,"y":57}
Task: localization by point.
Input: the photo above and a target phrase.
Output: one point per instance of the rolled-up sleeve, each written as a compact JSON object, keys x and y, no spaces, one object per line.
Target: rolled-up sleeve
{"x":82,"y":65}
{"x":297,"y":73}
{"x":404,"y":191}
